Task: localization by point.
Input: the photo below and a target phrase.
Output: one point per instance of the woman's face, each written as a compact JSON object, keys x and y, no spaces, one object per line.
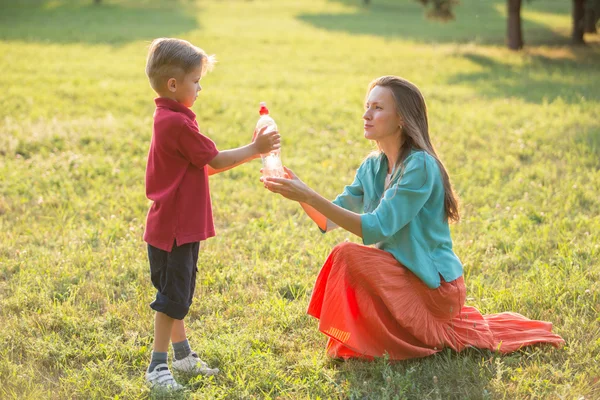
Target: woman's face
{"x":382,"y":122}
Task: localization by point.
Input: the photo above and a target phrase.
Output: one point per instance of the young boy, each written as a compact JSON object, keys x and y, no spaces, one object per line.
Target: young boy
{"x":179,"y":163}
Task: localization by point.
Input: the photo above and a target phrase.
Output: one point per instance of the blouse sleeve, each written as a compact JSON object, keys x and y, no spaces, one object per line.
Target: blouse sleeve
{"x":401,"y":202}
{"x":352,"y":196}
{"x":350,"y":199}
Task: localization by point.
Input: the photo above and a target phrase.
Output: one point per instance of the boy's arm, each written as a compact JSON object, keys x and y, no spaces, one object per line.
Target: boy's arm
{"x":227,"y":159}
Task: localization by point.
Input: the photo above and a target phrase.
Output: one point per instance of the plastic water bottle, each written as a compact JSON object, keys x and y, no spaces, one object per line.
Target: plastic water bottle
{"x":271,"y":161}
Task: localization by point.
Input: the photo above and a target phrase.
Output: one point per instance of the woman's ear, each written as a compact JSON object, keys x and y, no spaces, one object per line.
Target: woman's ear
{"x":172,"y":85}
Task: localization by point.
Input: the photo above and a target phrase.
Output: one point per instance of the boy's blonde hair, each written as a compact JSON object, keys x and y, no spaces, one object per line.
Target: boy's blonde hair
{"x":172,"y":58}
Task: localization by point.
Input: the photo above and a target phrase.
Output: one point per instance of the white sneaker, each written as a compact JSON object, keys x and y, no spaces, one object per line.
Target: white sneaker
{"x":161,"y":377}
{"x":193,"y":364}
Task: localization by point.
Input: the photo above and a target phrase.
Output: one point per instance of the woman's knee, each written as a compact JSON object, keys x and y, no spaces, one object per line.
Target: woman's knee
{"x":347,"y":252}
{"x":344,"y":248}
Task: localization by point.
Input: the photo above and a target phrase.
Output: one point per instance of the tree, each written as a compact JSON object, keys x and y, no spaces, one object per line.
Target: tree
{"x":441,"y":9}
{"x":591,"y":16}
{"x":578,"y":15}
{"x":514,"y":32}
{"x":585,"y":15}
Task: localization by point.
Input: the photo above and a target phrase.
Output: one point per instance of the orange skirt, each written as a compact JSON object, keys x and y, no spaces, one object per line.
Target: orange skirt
{"x":368,"y":304}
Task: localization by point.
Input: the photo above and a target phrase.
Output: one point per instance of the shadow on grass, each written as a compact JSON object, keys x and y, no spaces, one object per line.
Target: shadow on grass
{"x":82,"y":21}
{"x":541,"y":79}
{"x":447,"y":375}
{"x":477,"y":21}
{"x":469,"y":374}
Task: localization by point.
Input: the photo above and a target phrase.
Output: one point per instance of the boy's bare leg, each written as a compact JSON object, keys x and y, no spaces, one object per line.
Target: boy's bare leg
{"x":163,"y":325}
{"x":178,"y":331}
{"x":181,"y":346}
{"x":158,"y":373}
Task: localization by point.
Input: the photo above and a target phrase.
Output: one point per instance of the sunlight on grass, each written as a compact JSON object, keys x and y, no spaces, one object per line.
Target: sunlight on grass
{"x":553,"y":21}
{"x":560,"y":23}
{"x":518,"y":132}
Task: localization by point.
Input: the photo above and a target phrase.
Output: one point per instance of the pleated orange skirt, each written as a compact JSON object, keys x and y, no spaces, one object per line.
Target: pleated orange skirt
{"x":368,"y":304}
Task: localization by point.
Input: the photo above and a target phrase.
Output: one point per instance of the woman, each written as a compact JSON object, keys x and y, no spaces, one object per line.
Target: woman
{"x":405,"y":295}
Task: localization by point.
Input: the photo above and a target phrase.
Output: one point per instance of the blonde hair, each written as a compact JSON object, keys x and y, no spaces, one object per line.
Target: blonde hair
{"x":168,"y":58}
{"x":410,"y":106}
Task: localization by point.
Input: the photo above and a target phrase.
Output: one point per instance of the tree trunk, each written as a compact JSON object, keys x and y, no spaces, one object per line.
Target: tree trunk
{"x":578,"y":21}
{"x":514,"y":34}
{"x":590,"y":18}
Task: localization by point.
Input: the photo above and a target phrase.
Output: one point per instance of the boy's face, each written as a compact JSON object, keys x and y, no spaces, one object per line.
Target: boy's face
{"x":185,"y":90}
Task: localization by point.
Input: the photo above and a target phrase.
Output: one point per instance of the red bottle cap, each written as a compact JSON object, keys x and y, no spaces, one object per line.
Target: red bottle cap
{"x":263,"y":108}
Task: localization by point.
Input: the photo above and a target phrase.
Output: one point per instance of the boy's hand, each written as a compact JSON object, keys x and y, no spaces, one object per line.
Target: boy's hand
{"x":266,"y":142}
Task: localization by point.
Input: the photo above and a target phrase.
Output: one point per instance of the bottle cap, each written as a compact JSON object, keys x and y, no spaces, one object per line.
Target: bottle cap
{"x":263,"y":108}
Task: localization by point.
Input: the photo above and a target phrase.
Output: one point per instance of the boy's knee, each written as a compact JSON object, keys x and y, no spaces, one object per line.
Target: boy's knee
{"x":169,"y":307}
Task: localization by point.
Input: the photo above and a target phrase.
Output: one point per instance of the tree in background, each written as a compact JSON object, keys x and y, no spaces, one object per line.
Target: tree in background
{"x":591,"y":16}
{"x":440,"y":9}
{"x":514,"y":32}
{"x":585,"y":14}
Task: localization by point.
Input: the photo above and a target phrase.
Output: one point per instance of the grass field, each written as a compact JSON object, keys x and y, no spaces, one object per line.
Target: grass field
{"x":518,"y":132}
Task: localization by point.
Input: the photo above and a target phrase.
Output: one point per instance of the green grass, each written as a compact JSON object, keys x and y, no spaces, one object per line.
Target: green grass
{"x":519,"y":133}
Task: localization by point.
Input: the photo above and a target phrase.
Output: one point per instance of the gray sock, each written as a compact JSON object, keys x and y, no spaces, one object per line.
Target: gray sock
{"x":181,"y":349}
{"x":157,"y":358}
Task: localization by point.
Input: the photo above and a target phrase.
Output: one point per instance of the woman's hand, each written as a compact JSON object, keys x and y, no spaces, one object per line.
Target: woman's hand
{"x":290,"y":187}
{"x":320,"y":209}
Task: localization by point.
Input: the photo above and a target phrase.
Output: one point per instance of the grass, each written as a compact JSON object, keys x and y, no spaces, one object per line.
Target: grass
{"x":519,"y":133}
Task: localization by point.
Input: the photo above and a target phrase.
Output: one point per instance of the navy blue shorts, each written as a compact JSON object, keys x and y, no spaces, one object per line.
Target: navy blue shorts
{"x":174,"y":277}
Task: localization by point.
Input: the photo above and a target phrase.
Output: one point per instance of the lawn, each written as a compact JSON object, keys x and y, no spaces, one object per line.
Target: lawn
{"x":518,"y":132}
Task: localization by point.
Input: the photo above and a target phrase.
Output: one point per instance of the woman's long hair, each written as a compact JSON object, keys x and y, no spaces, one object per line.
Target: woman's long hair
{"x":411,"y":107}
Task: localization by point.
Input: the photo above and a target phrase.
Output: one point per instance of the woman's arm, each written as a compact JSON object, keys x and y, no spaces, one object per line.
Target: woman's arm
{"x":399,"y":205}
{"x":345,"y":219}
{"x":314,"y":203}
{"x":316,"y":216}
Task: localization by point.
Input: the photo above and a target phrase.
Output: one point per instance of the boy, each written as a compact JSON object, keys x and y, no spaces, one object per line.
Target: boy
{"x":179,"y":162}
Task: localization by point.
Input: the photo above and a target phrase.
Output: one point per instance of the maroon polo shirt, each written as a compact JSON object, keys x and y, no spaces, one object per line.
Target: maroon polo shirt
{"x":177,"y":178}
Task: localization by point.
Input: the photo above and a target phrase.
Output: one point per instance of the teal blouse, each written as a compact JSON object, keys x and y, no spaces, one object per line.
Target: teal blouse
{"x":407,"y":220}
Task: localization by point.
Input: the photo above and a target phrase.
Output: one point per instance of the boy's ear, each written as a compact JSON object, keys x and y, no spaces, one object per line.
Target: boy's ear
{"x":172,"y":85}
